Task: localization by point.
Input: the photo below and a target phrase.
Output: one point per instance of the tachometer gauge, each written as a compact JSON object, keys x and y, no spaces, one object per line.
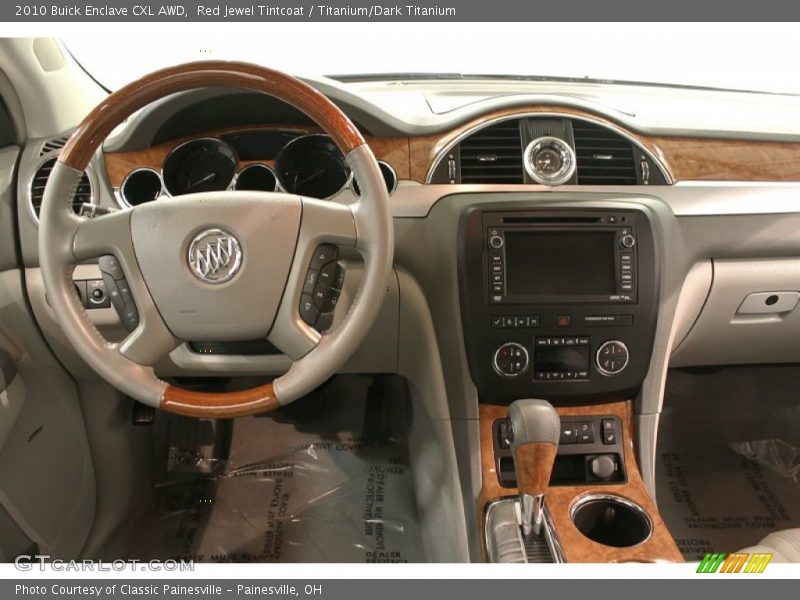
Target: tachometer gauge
{"x":549,"y":160}
{"x":201,"y":165}
{"x":312,"y":165}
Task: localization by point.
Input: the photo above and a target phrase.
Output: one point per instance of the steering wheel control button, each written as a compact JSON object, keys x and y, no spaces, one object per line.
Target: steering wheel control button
{"x":511,"y":360}
{"x":130,"y":317}
{"x":215,"y":256}
{"x":324,"y":322}
{"x":612,"y":357}
{"x":327,"y":274}
{"x":308,"y":310}
{"x":323,"y":255}
{"x":311,"y":281}
{"x":110,"y":265}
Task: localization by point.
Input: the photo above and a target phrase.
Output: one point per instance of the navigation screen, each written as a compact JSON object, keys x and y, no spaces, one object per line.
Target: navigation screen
{"x":560,"y":263}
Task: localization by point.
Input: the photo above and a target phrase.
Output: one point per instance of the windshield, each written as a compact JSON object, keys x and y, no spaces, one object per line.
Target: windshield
{"x":749,"y":56}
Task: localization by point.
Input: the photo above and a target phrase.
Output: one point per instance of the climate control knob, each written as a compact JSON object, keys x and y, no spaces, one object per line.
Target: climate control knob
{"x":612,"y":358}
{"x":511,"y":360}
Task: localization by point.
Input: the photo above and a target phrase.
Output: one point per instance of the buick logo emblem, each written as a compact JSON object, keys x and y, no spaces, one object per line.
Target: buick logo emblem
{"x":215,"y":256}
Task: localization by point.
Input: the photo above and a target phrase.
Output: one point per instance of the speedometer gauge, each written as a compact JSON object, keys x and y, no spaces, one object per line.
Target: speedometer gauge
{"x":549,"y":160}
{"x":201,"y":165}
{"x":312,"y":165}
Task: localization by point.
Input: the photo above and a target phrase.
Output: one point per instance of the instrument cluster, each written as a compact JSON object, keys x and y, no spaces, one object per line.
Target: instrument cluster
{"x":306,"y":164}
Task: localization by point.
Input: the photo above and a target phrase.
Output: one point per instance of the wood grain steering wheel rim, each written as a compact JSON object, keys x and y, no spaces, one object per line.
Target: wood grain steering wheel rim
{"x":61,"y":246}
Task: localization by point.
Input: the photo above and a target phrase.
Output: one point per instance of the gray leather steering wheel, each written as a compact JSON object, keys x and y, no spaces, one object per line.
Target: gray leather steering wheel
{"x":276,"y":233}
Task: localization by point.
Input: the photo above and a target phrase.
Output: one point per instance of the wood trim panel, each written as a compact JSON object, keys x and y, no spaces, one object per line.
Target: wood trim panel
{"x":730,"y":160}
{"x":225,"y":405}
{"x":578,"y":548}
{"x":114,"y":109}
{"x":394,"y":151}
{"x":684,"y":158}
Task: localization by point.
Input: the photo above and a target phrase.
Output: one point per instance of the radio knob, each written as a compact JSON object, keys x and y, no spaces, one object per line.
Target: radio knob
{"x":612,"y":358}
{"x":511,"y":360}
{"x":627,"y":241}
{"x":496,"y":242}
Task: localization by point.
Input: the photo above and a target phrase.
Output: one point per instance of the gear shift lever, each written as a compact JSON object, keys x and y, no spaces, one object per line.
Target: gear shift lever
{"x":535,"y":427}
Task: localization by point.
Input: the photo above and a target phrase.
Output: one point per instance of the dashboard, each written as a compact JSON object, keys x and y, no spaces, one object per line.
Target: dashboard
{"x":555,"y":157}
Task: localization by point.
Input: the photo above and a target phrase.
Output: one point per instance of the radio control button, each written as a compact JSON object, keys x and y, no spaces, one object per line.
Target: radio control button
{"x":612,"y":358}
{"x":627,"y":241}
{"x":496,"y":242}
{"x":510,"y":360}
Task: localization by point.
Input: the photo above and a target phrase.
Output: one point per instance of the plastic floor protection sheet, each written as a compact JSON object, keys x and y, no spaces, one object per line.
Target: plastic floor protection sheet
{"x":725,"y":478}
{"x":315,"y":491}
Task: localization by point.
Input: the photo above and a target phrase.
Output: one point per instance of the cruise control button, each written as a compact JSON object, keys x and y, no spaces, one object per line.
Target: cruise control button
{"x":130,"y":317}
{"x":109,"y":264}
{"x":125,"y":291}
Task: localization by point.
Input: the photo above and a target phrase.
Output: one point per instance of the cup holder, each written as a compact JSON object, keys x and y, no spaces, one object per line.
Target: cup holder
{"x":612,"y":521}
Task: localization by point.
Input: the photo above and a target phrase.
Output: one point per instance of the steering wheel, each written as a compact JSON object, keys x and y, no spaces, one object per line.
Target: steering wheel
{"x":268,"y":241}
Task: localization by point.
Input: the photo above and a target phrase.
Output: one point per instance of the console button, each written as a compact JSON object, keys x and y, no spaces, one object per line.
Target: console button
{"x":612,"y":357}
{"x":569,"y":434}
{"x":609,"y":428}
{"x":603,"y":466}
{"x":562,"y":321}
{"x":585,"y":432}
{"x":510,"y":360}
{"x":627,"y":241}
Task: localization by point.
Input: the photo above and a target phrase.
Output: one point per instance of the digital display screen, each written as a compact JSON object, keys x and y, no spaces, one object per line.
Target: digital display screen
{"x":560,"y":263}
{"x":561,"y":358}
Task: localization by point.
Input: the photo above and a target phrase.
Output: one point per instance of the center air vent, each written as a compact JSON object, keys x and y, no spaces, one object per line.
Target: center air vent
{"x":604,"y":156}
{"x":493,"y":154}
{"x":39,"y":182}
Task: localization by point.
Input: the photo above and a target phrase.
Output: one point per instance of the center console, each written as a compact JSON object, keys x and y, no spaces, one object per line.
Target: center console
{"x":557,"y":304}
{"x":560,"y":305}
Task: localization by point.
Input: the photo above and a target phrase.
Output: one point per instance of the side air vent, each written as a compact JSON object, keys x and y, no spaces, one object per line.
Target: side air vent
{"x":53,"y":145}
{"x":493,"y":155}
{"x":39,"y":182}
{"x":603,"y":156}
